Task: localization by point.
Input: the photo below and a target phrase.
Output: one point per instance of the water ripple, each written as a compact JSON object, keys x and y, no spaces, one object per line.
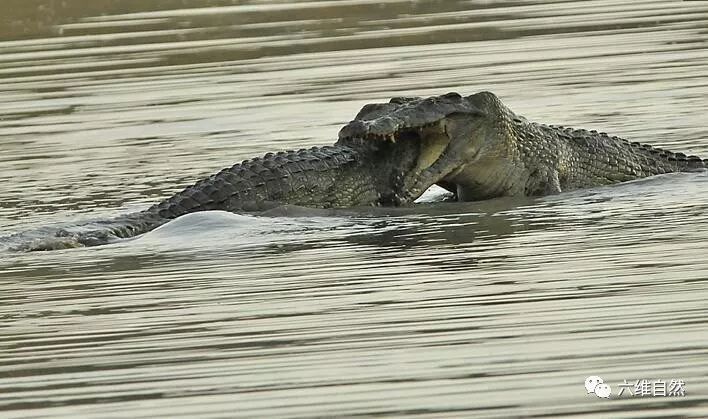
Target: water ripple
{"x":490,"y":309}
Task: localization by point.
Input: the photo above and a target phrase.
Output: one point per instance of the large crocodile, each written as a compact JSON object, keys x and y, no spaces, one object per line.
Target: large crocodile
{"x":492,"y":152}
{"x":392,"y":152}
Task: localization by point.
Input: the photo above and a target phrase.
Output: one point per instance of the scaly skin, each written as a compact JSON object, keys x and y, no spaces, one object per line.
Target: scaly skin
{"x":491,"y":152}
{"x":320,"y":177}
{"x":317,"y":177}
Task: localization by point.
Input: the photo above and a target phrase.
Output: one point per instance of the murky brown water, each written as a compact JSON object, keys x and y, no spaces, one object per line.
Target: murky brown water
{"x":498,"y":308}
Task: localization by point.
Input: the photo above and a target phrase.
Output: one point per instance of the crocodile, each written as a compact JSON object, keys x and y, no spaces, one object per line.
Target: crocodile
{"x":357,"y":170}
{"x":473,"y":146}
{"x":493,"y":152}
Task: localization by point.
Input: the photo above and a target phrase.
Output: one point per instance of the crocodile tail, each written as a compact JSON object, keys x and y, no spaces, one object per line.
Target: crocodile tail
{"x":122,"y":227}
{"x":90,"y":234}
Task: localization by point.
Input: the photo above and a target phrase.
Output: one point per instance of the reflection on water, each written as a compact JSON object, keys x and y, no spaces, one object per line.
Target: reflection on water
{"x":498,"y":308}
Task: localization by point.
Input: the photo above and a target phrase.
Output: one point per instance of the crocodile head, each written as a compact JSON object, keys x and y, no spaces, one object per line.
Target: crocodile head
{"x":442,"y":130}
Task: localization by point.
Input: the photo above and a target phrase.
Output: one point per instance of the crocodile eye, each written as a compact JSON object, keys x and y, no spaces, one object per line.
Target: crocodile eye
{"x":452,"y":95}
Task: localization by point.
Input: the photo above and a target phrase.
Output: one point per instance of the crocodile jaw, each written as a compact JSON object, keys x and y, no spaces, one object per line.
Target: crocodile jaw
{"x":442,"y":127}
{"x":386,"y":121}
{"x":433,"y":141}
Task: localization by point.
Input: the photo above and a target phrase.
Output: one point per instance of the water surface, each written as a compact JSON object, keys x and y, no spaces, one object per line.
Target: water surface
{"x":491,"y":309}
